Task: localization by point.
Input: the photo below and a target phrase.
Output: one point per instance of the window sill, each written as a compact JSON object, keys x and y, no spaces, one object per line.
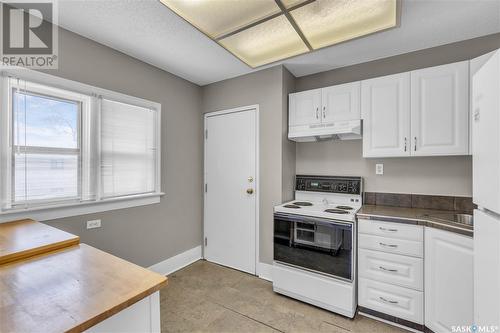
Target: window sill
{"x":61,"y":211}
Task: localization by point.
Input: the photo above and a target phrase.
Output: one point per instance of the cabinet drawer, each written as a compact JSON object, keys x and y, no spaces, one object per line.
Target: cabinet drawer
{"x":392,"y":300}
{"x":391,"y":229}
{"x":391,"y":245}
{"x":395,"y":269}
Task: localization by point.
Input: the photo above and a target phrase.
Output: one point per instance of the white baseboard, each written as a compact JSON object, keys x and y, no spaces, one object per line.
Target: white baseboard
{"x":265,"y":271}
{"x":177,"y":262}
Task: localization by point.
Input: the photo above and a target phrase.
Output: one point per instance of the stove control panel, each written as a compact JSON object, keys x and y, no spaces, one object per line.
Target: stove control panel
{"x":330,"y":184}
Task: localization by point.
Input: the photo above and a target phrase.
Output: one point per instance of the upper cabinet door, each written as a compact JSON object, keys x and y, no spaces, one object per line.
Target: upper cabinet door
{"x":341,"y":102}
{"x":440,"y":110}
{"x":305,"y":108}
{"x":485,"y":131}
{"x":385,"y":110}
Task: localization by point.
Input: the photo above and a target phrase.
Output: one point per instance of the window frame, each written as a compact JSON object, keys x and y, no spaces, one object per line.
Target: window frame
{"x":89,"y":147}
{"x":34,"y":89}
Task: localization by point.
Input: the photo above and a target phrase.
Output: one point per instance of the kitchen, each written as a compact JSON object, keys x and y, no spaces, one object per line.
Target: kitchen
{"x":390,"y":140}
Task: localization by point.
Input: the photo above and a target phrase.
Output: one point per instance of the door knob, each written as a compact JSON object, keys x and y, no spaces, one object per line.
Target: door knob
{"x":250,"y":190}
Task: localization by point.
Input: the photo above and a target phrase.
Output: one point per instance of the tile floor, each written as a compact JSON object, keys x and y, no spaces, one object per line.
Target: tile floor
{"x":206,"y":297}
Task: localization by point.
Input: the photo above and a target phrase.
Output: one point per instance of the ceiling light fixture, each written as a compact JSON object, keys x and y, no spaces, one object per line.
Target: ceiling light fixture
{"x":260,"y":32}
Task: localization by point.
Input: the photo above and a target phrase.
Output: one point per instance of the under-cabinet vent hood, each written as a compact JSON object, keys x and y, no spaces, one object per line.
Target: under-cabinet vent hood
{"x":338,"y":130}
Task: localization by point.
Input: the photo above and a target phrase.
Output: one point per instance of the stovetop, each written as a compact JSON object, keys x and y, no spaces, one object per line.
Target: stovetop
{"x":332,"y":197}
{"x":331,"y":210}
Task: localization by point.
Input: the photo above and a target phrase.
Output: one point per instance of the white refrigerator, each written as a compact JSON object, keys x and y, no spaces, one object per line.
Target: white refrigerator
{"x":485,"y":76}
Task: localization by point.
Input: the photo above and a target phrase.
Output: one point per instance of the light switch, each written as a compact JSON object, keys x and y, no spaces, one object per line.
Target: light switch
{"x":379,"y":169}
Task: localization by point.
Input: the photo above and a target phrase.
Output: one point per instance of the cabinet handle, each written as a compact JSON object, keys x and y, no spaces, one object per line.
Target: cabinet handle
{"x":317,"y":113}
{"x":477,"y":114}
{"x":324,"y":112}
{"x":388,"y":245}
{"x":405,"y":143}
{"x":387,"y":269}
{"x":388,"y":301}
{"x":385,"y":229}
{"x":415,"y":143}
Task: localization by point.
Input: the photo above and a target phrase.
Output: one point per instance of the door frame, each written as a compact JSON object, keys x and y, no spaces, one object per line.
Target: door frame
{"x":207,"y":115}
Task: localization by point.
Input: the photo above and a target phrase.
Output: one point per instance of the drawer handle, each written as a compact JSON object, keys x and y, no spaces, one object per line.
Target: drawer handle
{"x":388,"y":301}
{"x":390,"y":230}
{"x":387,"y":269}
{"x":388,"y":245}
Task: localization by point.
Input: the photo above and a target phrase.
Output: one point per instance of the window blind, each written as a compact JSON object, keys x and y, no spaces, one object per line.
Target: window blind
{"x":128,"y":149}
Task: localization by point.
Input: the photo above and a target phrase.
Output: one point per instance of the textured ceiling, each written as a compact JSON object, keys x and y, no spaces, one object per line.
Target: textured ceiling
{"x":149,"y":31}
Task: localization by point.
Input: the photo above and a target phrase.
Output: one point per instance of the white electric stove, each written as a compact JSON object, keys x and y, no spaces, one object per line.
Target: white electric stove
{"x":315,"y":243}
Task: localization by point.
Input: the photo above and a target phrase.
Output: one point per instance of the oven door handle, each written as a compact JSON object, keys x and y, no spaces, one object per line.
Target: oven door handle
{"x":309,"y":219}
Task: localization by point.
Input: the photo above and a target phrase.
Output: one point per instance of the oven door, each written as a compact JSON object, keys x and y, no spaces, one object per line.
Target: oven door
{"x":320,"y":245}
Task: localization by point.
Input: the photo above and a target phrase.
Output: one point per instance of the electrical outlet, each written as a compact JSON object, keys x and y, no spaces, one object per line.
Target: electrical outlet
{"x":93,"y":224}
{"x":379,"y":169}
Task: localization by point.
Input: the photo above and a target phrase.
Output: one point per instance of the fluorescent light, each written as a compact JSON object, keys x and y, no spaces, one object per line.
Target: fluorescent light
{"x":327,"y":22}
{"x":259,"y":32}
{"x":291,"y":3}
{"x":219,"y":17}
{"x":269,"y":41}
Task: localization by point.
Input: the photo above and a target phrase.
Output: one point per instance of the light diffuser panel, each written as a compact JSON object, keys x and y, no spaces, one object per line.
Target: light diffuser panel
{"x":327,"y":22}
{"x":291,"y":3}
{"x":219,"y":17}
{"x":267,"y":42}
{"x":260,"y":32}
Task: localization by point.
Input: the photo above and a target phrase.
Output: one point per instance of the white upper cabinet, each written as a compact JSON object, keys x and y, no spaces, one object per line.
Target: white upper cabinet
{"x":440,"y":110}
{"x":305,"y":108}
{"x":419,"y":113}
{"x":385,"y":110}
{"x":341,"y":102}
{"x":485,"y":130}
{"x":449,"y":284}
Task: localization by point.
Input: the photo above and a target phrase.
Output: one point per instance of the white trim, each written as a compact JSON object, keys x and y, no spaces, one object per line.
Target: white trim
{"x":75,"y":86}
{"x":81,"y":208}
{"x":177,"y":262}
{"x":257,"y":172}
{"x":265,"y":271}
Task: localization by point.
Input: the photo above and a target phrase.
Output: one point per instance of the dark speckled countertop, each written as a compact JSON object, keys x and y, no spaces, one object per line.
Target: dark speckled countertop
{"x":417,"y":216}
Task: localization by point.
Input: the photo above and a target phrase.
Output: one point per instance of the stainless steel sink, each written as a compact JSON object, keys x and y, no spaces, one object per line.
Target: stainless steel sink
{"x":455,"y":218}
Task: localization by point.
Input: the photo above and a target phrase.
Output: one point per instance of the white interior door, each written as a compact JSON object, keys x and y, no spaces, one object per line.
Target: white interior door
{"x":231,"y":189}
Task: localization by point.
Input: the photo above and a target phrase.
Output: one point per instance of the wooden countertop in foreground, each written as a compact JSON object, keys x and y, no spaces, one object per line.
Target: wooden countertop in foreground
{"x":25,"y":238}
{"x":70,"y":289}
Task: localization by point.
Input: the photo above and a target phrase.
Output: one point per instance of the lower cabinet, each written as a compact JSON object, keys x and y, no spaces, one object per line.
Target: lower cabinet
{"x":404,"y":303}
{"x":419,"y":276}
{"x":143,"y":316}
{"x":449,"y":286}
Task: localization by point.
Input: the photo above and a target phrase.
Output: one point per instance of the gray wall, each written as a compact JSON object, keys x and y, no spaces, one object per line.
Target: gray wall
{"x":149,"y":234}
{"x":288,"y":147}
{"x":266,"y":89}
{"x":436,"y":175}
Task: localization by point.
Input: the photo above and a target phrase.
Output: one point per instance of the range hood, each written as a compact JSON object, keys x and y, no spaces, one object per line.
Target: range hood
{"x":338,"y":130}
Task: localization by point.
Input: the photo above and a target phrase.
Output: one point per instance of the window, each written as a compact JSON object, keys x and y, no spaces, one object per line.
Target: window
{"x":128,"y":149}
{"x":46,"y":152}
{"x":77,"y":146}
